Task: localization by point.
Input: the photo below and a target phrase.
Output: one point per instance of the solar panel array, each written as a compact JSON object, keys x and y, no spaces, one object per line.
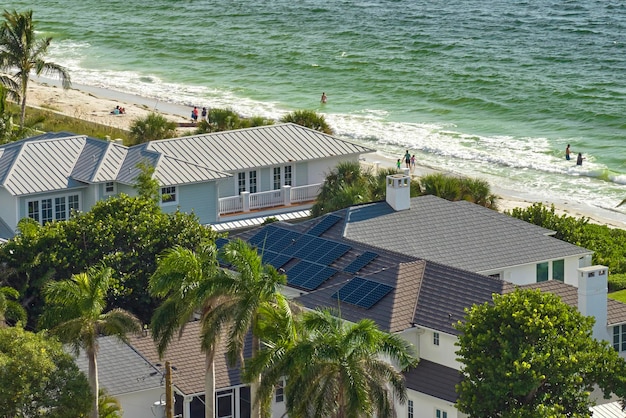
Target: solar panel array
{"x":309,"y":275}
{"x":275,"y":259}
{"x":362,"y":292}
{"x":323,"y":225}
{"x":360,"y":262}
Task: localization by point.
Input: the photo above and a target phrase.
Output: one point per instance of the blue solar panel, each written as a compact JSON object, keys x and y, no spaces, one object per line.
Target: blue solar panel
{"x":334,"y":253}
{"x":362,"y":292}
{"x":360,"y":262}
{"x":311,"y":251}
{"x":260,"y":237}
{"x":280,"y":260}
{"x":318,"y":278}
{"x":300,"y":243}
{"x":220,"y":242}
{"x":324,"y":225}
{"x":298,"y":273}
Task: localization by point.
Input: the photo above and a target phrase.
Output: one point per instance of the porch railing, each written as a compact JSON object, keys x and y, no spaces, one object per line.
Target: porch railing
{"x":285,"y":196}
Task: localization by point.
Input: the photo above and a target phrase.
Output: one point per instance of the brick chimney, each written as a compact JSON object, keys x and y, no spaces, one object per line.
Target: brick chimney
{"x":399,"y":191}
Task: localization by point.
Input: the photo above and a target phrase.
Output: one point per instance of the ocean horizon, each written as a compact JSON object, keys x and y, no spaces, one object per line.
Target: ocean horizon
{"x":485,"y":89}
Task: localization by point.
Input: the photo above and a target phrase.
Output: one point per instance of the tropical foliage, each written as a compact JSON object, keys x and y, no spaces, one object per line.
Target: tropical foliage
{"x":308,"y":119}
{"x":37,"y":375}
{"x":75,"y":314}
{"x":529,"y":352}
{"x":608,"y":244}
{"x":458,"y":188}
{"x":23,"y":52}
{"x":219,"y":120}
{"x":333,"y":368}
{"x":154,"y":126}
{"x":10,"y":310}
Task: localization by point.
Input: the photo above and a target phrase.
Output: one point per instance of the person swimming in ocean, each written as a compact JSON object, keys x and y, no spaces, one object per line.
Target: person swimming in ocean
{"x":324,"y":98}
{"x":579,"y":160}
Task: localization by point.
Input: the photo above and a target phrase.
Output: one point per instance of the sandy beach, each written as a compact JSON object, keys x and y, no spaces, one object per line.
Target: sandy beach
{"x":95,"y":105}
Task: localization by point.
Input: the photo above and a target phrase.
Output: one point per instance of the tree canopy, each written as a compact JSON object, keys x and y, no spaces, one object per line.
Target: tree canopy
{"x":37,"y":375}
{"x":529,"y":352}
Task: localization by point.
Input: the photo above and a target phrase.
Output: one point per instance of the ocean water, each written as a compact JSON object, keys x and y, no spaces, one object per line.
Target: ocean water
{"x":483,"y":88}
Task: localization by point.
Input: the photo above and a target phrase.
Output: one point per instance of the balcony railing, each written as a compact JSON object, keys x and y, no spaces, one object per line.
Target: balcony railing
{"x":285,"y":196}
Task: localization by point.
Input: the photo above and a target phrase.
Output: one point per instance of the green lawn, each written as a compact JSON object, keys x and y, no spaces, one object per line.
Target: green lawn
{"x":619,"y":295}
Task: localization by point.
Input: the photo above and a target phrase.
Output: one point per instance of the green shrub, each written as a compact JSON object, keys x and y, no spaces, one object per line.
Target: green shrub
{"x":617,"y":282}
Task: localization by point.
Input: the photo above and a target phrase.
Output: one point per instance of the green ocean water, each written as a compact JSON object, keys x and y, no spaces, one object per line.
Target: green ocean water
{"x":482,"y":88}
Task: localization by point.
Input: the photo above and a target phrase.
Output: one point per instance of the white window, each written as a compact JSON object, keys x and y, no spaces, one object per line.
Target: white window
{"x":52,"y":209}
{"x":241,"y":182}
{"x":280,"y":392}
{"x":619,"y":337}
{"x":440,"y":414}
{"x":277,"y":184}
{"x":410,"y":409}
{"x":288,"y":177}
{"x":168,"y":194}
{"x":109,"y":187}
{"x":253,"y":183}
{"x":435,"y":338}
{"x":225,"y":404}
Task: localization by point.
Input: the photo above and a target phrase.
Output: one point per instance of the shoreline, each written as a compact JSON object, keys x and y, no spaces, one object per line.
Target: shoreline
{"x":94,"y":104}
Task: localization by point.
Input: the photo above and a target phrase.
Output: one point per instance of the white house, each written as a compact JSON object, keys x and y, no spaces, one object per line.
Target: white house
{"x":265,"y":169}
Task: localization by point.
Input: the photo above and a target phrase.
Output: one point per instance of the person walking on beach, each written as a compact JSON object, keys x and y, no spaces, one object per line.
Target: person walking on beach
{"x":412,"y":162}
{"x":567,"y":153}
{"x":579,"y":160}
{"x":407,"y":159}
{"x":324,"y":98}
{"x":398,"y":164}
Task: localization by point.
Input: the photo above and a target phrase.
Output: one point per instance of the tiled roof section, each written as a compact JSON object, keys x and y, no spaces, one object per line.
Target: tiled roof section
{"x":111,"y":164}
{"x":44,"y":165}
{"x":434,"y":379}
{"x":264,"y":146}
{"x":185,"y":354}
{"x":121,"y":369}
{"x":393,"y":313}
{"x":616,"y":312}
{"x":446,"y":291}
{"x":458,"y":234}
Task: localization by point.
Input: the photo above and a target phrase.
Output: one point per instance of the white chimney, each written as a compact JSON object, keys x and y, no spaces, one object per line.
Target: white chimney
{"x":593,"y":282}
{"x":399,"y":191}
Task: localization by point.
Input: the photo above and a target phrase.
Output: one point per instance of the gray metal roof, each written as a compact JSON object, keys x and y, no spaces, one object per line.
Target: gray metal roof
{"x":111,"y":164}
{"x":608,"y":410}
{"x":256,"y":147}
{"x":459,"y":234}
{"x":121,"y":369}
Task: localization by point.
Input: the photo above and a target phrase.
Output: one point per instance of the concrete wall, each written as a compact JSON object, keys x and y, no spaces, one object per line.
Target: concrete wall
{"x":139,"y":404}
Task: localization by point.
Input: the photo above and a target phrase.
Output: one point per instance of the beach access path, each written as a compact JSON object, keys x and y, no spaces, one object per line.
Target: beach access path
{"x":95,"y":105}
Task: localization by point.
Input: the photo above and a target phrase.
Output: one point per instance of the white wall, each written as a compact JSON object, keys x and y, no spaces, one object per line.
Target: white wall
{"x":8,"y":208}
{"x":139,"y":404}
{"x":444,"y":353}
{"x":424,"y":406}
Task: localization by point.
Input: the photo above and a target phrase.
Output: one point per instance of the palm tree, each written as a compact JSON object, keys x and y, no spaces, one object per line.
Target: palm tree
{"x":186,"y":279}
{"x":308,"y":119}
{"x":21,"y":50}
{"x":336,"y":369}
{"x":226,"y":301}
{"x":151,"y":128}
{"x":76,"y":313}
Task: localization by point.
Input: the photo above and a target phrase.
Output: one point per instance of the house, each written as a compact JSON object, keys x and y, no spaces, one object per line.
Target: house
{"x":265,"y":170}
{"x":136,"y":383}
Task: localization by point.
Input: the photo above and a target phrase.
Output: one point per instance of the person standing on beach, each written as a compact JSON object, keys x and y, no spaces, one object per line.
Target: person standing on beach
{"x":567,"y":153}
{"x":204,"y":112}
{"x":194,"y":114}
{"x":407,"y":159}
{"x":413,"y":162}
{"x":324,"y":98}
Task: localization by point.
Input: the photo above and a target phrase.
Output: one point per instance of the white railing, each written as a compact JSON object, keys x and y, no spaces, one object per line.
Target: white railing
{"x":286,"y":196}
{"x":266,"y":199}
{"x":305,"y":193}
{"x":231,"y":204}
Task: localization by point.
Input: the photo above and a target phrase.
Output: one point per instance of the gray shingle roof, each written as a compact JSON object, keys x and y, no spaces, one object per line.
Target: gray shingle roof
{"x":256,"y":147}
{"x":459,"y":234}
{"x":121,"y":369}
{"x":434,"y":379}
